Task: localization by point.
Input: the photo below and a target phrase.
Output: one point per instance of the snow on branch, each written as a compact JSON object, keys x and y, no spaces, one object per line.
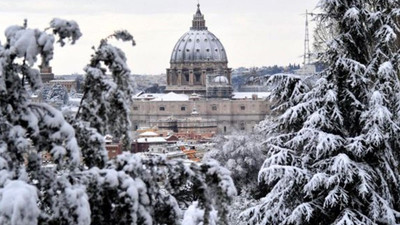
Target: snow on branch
{"x":65,"y":29}
{"x":18,"y":203}
{"x":60,"y":135}
{"x":304,"y":210}
{"x":123,"y":35}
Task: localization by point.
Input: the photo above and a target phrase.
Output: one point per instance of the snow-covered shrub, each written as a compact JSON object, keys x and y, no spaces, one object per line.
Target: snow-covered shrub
{"x":242,"y":155}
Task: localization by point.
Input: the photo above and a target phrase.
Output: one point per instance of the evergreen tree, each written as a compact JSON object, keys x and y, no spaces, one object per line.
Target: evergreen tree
{"x":106,"y":101}
{"x":28,"y":130}
{"x":333,"y":157}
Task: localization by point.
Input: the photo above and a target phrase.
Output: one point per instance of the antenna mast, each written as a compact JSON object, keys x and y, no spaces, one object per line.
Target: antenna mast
{"x":306,"y":56}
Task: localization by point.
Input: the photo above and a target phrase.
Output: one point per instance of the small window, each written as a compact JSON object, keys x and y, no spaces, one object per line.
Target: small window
{"x":224,"y":129}
{"x":135,"y":108}
{"x":162,"y":108}
{"x":187,"y":50}
{"x":183,"y":108}
{"x":242,"y":126}
{"x":208,"y":50}
{"x":197,"y":50}
{"x":214,"y":108}
{"x":242,"y":107}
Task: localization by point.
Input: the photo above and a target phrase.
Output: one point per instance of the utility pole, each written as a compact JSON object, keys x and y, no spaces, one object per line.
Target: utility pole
{"x":306,"y":57}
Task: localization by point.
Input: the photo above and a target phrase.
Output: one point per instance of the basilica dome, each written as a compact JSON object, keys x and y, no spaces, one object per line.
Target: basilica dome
{"x":198,"y":44}
{"x":199,"y":63}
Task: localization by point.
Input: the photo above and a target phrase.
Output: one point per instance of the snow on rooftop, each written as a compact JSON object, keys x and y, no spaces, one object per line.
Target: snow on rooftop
{"x":148,"y":134}
{"x":171,"y":96}
{"x":249,"y":95}
{"x":147,"y":96}
{"x":152,"y":140}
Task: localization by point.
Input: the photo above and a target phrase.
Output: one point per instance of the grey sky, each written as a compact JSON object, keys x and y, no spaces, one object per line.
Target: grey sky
{"x":254,"y":32}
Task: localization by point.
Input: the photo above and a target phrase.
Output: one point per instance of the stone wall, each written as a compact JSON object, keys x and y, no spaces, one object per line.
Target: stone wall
{"x":229,"y":114}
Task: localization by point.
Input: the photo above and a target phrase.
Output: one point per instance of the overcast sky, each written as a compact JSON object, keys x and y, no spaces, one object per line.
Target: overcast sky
{"x":253,"y":32}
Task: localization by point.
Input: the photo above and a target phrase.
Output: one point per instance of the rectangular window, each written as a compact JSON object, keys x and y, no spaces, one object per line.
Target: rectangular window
{"x":162,"y":108}
{"x":183,"y":108}
{"x":198,"y":77}
{"x":135,"y":108}
{"x":214,"y":107}
{"x":242,"y":107}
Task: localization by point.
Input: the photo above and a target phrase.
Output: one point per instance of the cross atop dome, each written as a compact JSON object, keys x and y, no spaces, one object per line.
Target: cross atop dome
{"x":198,"y":9}
{"x":198,"y":22}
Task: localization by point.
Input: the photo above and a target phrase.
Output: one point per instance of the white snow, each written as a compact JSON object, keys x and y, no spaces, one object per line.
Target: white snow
{"x":148,"y":134}
{"x":152,"y":140}
{"x":18,"y":204}
{"x":352,"y":13}
{"x":66,"y":29}
{"x":76,"y":196}
{"x":195,"y":216}
{"x":249,"y":95}
{"x":171,"y":96}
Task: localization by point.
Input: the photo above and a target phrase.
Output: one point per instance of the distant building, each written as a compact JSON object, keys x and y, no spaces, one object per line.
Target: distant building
{"x":143,"y":144}
{"x":199,"y":82}
{"x":68,"y":84}
{"x":46,"y":74}
{"x":196,"y":60}
{"x":113,"y":146}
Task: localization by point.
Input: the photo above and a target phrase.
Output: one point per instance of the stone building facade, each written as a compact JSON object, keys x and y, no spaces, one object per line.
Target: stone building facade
{"x":237,"y":113}
{"x":199,"y":80}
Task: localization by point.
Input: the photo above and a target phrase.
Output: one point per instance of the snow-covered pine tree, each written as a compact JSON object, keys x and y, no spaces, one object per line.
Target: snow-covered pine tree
{"x":333,"y":158}
{"x":28,"y":130}
{"x":106,"y":101}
